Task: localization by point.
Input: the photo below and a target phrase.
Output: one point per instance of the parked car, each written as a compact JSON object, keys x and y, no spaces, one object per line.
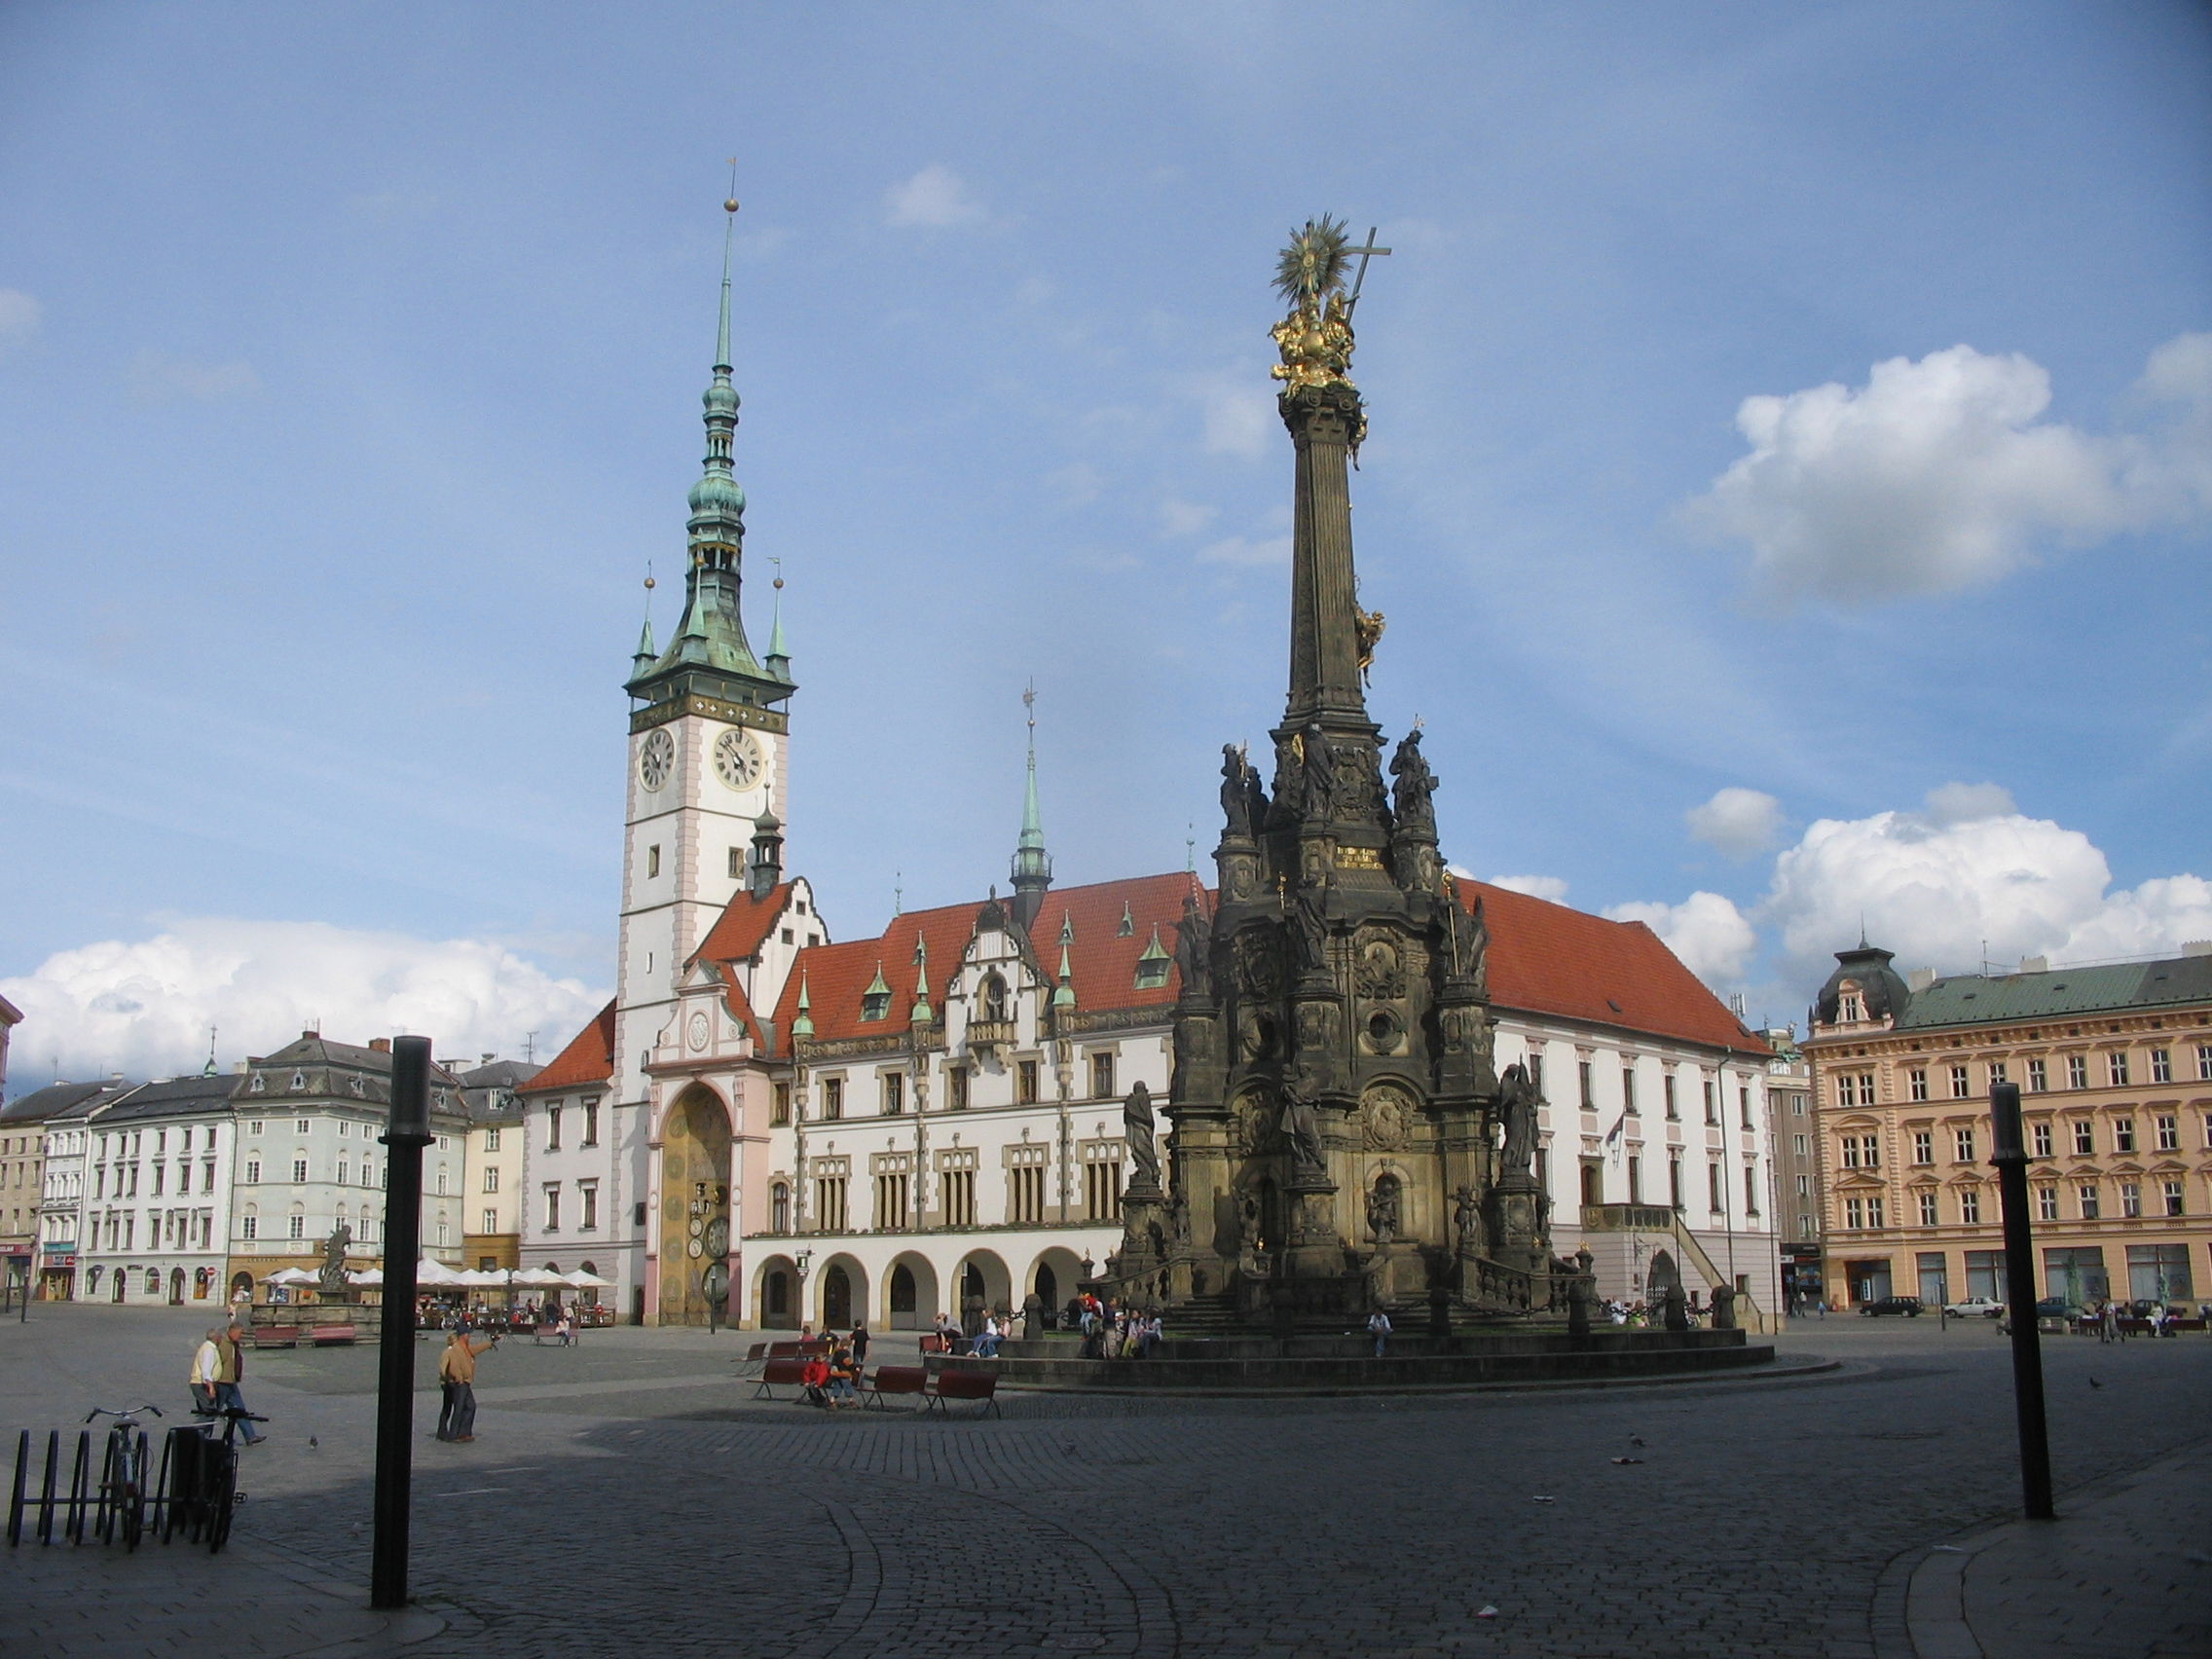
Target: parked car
{"x":1974,"y":1307}
{"x":2058,"y":1308}
{"x":1908,"y":1306}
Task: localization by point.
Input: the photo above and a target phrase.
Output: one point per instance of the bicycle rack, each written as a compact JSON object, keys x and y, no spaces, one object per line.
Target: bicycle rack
{"x":175,"y":1500}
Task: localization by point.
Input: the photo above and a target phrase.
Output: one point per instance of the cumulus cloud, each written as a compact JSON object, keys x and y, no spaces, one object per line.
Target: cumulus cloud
{"x":1941,"y":474}
{"x":1246,"y":551}
{"x":1713,"y":937}
{"x":1737,"y":821}
{"x":1186,"y":518}
{"x":143,"y":1007}
{"x":935,"y":198}
{"x":1240,"y":418}
{"x":20,"y":317}
{"x":1970,"y":874}
{"x":1550,"y":887}
{"x":157,"y":377}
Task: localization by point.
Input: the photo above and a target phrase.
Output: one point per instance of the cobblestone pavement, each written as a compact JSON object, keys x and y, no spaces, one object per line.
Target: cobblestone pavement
{"x":628,"y":1494}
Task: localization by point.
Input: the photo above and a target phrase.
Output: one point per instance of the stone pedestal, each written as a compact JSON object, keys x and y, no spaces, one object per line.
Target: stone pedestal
{"x":1316,"y":1251}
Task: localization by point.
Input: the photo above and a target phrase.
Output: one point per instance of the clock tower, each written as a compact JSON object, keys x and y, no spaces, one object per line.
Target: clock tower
{"x":708,"y":735}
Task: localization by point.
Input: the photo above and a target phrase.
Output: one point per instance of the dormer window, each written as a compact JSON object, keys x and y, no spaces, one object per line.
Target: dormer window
{"x":1153,"y":964}
{"x":875,"y":1001}
{"x":258,"y":1084}
{"x":1851,"y":1007}
{"x":1128,"y":927}
{"x":994,"y":998}
{"x":357,"y":1086}
{"x":299,"y":1079}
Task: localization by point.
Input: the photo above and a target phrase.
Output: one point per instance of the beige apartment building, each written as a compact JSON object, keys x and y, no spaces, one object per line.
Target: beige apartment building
{"x":2114,"y":1067}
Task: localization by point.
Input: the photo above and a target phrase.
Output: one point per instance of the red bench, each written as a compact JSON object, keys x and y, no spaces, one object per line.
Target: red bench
{"x":894,"y":1379}
{"x":981,"y":1386}
{"x":753,"y":1356}
{"x":327,"y":1335}
{"x":275,"y":1336}
{"x":782,"y":1368}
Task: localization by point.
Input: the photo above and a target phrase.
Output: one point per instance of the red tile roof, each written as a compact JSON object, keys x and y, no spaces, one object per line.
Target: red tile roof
{"x":1102,"y":961}
{"x":588,"y":1059}
{"x":744,"y":925}
{"x":1546,"y":958}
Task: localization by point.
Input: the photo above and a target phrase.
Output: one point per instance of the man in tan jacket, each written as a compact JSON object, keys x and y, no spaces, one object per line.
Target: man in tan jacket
{"x":457,"y":1381}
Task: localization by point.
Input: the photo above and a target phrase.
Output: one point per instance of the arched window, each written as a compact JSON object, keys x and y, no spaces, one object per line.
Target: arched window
{"x":153,"y":1281}
{"x":994,"y":998}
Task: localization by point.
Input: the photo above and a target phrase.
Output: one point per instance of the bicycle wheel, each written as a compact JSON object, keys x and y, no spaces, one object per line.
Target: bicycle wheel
{"x":221,"y":1493}
{"x":111,"y":1474}
{"x":133,"y":1496}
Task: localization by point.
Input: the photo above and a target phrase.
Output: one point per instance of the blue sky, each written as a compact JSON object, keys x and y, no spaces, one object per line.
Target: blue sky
{"x":350,"y":360}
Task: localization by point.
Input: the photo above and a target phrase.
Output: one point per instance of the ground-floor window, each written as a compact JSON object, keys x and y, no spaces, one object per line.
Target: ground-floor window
{"x":1934,"y":1280}
{"x":2158,"y":1273}
{"x":1869,"y":1281}
{"x":2076,"y":1275}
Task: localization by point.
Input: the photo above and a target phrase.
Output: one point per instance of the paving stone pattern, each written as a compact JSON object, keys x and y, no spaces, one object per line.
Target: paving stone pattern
{"x":631,"y":1495}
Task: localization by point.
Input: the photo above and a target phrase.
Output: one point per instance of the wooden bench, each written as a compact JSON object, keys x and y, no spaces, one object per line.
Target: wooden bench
{"x":544,"y":1334}
{"x":981,"y":1386}
{"x":275,"y":1336}
{"x":753,"y":1356}
{"x":782,"y":1350}
{"x":894,"y":1379}
{"x":328,"y":1336}
{"x":779,"y":1369}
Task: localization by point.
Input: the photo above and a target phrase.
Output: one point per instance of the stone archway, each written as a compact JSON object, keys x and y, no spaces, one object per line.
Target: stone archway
{"x":1664,"y":1273}
{"x":910,"y":1294}
{"x":695,"y":1194}
{"x":840,"y":1291}
{"x":775,"y":1293}
{"x":981,"y":1284}
{"x":1055,"y":1276}
{"x":176,"y":1287}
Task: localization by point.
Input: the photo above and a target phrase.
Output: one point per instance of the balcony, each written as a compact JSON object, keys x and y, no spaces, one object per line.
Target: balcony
{"x":1627,"y":1218}
{"x":990,"y":1034}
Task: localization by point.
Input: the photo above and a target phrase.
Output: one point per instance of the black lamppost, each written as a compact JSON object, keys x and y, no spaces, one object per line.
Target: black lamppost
{"x":408,"y":1135}
{"x":2009,"y":1153}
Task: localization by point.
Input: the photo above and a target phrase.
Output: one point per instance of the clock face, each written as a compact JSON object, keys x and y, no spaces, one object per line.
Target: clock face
{"x":718,"y":1236}
{"x":738,"y":759}
{"x":654,"y":757}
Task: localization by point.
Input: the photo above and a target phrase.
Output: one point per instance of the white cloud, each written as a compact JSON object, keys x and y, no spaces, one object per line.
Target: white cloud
{"x":1966,"y":803}
{"x":1712,"y":936}
{"x":1550,"y":887}
{"x":1737,"y":821}
{"x":144,"y":1007}
{"x":1941,"y":474}
{"x":935,"y":198}
{"x":157,"y":377}
{"x":1186,"y":518}
{"x":20,"y":316}
{"x":1240,"y":418}
{"x":1944,"y":887}
{"x":1247,"y":552}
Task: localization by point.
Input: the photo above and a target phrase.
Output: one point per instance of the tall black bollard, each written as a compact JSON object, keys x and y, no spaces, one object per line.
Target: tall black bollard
{"x":2009,"y":1153}
{"x":408,"y":1135}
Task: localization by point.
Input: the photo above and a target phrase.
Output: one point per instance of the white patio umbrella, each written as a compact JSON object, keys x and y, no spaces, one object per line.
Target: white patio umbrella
{"x":540,"y":1278}
{"x":368,"y":1279}
{"x":291,"y":1275}
{"x":436,"y":1274}
{"x":585,"y":1281}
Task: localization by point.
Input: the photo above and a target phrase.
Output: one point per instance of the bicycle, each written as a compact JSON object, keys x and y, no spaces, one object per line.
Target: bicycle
{"x":207,"y":1497}
{"x":123,"y":1475}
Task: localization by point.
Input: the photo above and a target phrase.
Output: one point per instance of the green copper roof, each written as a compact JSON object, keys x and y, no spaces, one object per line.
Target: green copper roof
{"x":2052,"y":993}
{"x":1064,"y":996}
{"x":1032,"y":864}
{"x":803,"y":1025}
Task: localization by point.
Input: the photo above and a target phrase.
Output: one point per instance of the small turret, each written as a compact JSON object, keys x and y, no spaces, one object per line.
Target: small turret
{"x":1032,"y":864}
{"x":767,"y":866}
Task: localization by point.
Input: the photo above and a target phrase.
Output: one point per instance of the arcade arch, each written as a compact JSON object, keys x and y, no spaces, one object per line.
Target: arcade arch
{"x":910,"y":1296}
{"x":840,"y":1291}
{"x":775,"y":1294}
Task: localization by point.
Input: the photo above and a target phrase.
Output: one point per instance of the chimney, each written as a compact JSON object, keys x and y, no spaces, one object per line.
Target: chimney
{"x":2035,"y":964}
{"x":380,"y":1045}
{"x":1920,"y":979}
{"x":2196,"y":947}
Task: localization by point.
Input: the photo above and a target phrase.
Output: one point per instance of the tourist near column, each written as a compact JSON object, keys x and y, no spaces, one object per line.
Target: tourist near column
{"x":457,"y":1376}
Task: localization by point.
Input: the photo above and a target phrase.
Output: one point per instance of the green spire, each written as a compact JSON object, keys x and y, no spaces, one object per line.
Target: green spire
{"x":1064,"y":996}
{"x":921,"y":1013}
{"x":803,"y":1025}
{"x":1032,"y":864}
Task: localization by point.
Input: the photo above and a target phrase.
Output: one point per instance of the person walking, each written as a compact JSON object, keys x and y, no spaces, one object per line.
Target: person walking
{"x":859,"y":1342}
{"x":207,"y":1367}
{"x":1378,"y":1326}
{"x":229,"y":1368}
{"x":456,"y":1382}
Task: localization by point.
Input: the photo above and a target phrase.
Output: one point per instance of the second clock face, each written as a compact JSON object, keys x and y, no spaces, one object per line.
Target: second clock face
{"x":738,"y":759}
{"x":654,"y":757}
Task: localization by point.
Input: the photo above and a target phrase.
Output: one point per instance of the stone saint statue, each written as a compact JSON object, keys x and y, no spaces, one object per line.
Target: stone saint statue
{"x":1300,"y":1129}
{"x":1468,"y":1222}
{"x":1517,"y":1107}
{"x":1319,"y":759}
{"x":1247,"y":1228}
{"x":1724,"y":1307}
{"x":1581,"y":1292}
{"x":1194,"y":941}
{"x":1383,"y":1213}
{"x":332,"y":1274}
{"x":1416,"y":784}
{"x":1136,"y":1127}
{"x":1179,"y":1218}
{"x":1309,"y":927}
{"x":1236,"y":793}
